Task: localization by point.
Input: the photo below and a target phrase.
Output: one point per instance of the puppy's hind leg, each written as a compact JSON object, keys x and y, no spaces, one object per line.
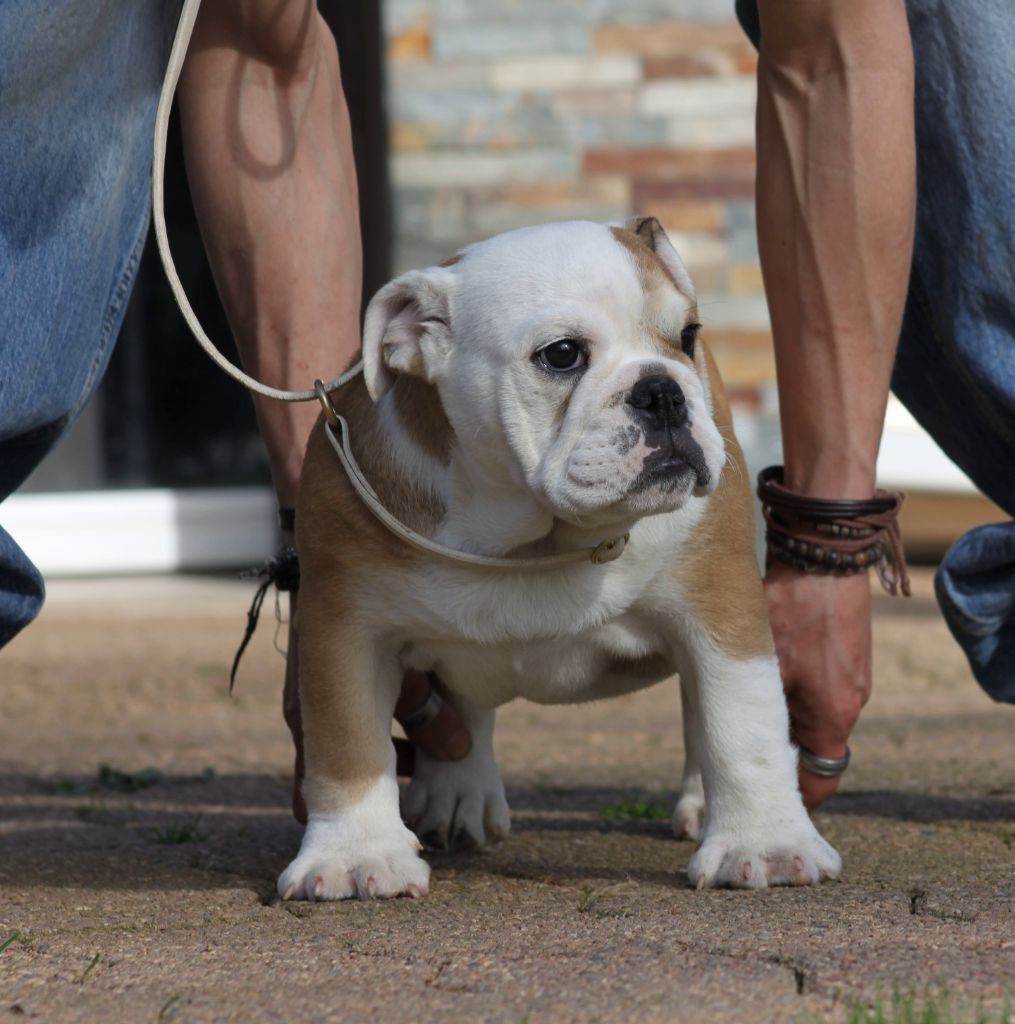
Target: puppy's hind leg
{"x":689,"y":814}
{"x":355,"y":843}
{"x":460,"y":804}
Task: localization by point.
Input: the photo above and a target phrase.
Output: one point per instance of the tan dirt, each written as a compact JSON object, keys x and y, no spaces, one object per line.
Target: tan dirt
{"x":576,"y":917}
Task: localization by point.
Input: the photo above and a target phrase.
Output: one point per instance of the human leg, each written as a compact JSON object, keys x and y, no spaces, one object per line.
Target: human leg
{"x":956,"y":362}
{"x":77,"y":109}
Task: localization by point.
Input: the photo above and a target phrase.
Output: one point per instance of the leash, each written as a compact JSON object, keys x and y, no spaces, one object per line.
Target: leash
{"x":607,"y":551}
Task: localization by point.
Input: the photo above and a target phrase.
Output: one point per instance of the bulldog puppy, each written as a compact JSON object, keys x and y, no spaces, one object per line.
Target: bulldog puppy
{"x":543,"y":391}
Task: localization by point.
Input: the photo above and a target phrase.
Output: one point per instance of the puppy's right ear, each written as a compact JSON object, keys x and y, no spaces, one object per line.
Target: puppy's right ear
{"x":407,"y":328}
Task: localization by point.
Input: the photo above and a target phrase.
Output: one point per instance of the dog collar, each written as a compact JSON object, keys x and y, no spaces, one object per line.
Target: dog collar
{"x":607,"y":551}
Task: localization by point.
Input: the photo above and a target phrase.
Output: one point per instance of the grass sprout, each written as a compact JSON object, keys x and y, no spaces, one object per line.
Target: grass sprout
{"x":637,"y":809}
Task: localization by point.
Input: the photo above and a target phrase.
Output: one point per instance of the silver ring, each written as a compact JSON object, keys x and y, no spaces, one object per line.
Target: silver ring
{"x":829,"y":767}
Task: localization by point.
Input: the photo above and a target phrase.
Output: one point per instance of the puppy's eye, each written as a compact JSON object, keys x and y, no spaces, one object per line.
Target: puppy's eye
{"x":688,"y":336}
{"x":562,"y":356}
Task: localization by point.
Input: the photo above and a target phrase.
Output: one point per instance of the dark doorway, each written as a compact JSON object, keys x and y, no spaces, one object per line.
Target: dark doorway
{"x":169,"y":417}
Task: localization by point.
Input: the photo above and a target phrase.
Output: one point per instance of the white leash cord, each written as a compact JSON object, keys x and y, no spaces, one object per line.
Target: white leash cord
{"x":176,"y":58}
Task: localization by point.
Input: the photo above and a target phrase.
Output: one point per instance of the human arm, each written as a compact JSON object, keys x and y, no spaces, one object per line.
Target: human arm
{"x":836,"y":195}
{"x":270,"y":164}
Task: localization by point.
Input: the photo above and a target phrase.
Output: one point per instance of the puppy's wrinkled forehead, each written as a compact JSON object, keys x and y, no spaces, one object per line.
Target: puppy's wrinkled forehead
{"x":577,"y":267}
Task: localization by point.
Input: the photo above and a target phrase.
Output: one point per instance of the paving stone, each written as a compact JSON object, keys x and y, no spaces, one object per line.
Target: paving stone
{"x":467,"y":167}
{"x":703,"y":132}
{"x":561,"y":71}
{"x":724,"y":310}
{"x":742,"y":228}
{"x":502,"y":209}
{"x":670,"y":38}
{"x":698,"y":98}
{"x":411,"y":43}
{"x":682,"y":215}
{"x":398,"y":15}
{"x":698,"y":249}
{"x":621,"y":131}
{"x":727,"y":187}
{"x":745,"y":278}
{"x":411,"y":253}
{"x":526,"y":11}
{"x":480,"y":122}
{"x":662,"y":10}
{"x":424,"y":77}
{"x":696,"y":65}
{"x":438,"y":215}
{"x":453,"y":42}
{"x":667,"y":162}
{"x":450,"y":105}
{"x":582,"y":102}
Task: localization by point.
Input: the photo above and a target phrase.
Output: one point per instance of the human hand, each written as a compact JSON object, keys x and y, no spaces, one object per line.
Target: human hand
{"x":430,"y":722}
{"x":822,"y":630}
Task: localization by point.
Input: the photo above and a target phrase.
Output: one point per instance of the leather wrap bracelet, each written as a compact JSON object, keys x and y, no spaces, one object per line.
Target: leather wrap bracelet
{"x":838,"y":537}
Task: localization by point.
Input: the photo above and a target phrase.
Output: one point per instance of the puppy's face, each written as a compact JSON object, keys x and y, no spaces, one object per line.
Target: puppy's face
{"x":566,"y":360}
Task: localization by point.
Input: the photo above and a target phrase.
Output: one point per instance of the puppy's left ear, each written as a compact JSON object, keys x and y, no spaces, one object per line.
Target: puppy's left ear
{"x":651,"y":232}
{"x":407,"y":328}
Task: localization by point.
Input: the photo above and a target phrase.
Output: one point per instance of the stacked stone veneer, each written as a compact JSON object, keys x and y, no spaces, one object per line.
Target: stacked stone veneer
{"x":509,"y":113}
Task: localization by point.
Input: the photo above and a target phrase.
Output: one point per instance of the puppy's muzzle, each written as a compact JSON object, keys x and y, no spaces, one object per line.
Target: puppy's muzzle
{"x":659,"y":407}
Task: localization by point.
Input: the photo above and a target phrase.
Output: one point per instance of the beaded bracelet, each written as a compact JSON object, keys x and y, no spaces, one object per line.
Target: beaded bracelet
{"x":838,"y":537}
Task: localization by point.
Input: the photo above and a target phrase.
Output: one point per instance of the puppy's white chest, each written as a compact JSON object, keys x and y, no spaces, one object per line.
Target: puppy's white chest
{"x":568,"y":636}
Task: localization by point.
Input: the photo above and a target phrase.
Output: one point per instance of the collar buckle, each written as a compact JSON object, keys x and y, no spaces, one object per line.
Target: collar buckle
{"x":609,"y":550}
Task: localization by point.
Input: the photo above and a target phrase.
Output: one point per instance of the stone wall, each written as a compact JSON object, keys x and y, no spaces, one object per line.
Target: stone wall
{"x":509,"y":113}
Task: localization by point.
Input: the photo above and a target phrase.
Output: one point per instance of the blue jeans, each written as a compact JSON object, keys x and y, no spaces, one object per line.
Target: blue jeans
{"x":955,"y":369}
{"x":78,"y":91}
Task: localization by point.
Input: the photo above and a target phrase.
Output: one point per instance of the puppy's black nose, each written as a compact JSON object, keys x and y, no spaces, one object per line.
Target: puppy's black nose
{"x":660,"y":400}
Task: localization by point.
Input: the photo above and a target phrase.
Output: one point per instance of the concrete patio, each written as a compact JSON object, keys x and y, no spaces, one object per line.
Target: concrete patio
{"x":150,"y":896}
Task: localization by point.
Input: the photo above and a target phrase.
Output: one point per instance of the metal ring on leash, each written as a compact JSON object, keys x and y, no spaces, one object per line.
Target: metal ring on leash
{"x":321,"y":391}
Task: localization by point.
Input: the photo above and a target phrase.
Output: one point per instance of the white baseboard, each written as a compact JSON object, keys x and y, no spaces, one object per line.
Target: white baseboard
{"x":910,"y":459}
{"x":99,"y":532}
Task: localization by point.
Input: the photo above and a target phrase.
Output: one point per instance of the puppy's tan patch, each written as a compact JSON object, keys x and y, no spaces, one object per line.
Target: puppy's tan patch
{"x":421,"y":414}
{"x":653,"y":276}
{"x":720,"y":576}
{"x":652,"y":272}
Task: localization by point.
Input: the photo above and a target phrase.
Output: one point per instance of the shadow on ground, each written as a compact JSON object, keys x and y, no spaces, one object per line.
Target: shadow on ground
{"x":189,"y":832}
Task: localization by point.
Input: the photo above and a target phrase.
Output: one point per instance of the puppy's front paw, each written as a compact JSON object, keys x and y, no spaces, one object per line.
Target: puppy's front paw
{"x":735,"y":861}
{"x":457,"y":805}
{"x":336,"y":863}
